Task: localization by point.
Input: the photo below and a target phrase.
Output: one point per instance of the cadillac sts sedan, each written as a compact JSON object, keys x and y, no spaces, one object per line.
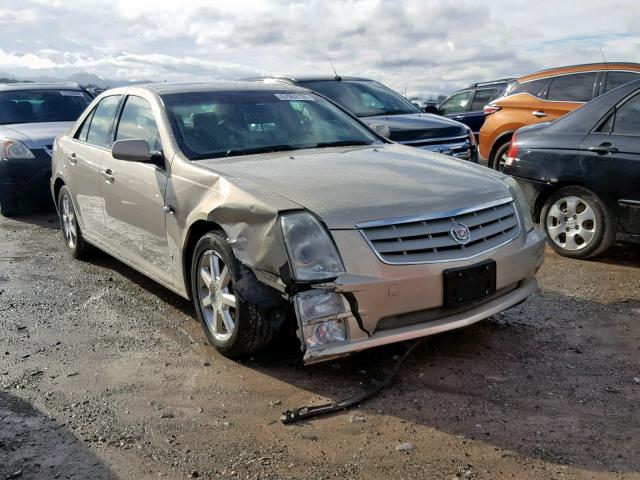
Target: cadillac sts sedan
{"x":273,"y":209}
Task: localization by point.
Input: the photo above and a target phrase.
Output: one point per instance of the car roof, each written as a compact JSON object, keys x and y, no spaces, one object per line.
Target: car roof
{"x":8,"y":87}
{"x":307,"y":78}
{"x":586,"y":67}
{"x":222,"y":86}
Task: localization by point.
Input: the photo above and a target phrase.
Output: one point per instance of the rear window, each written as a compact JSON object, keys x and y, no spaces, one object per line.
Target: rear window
{"x":617,"y":79}
{"x":482,"y":97}
{"x":38,"y":106}
{"x":577,"y":87}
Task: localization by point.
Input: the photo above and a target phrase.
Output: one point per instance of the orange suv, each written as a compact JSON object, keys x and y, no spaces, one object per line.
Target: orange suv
{"x":545,"y":96}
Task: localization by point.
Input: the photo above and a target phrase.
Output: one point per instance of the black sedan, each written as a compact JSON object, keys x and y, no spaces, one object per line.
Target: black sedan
{"x":581,"y":173}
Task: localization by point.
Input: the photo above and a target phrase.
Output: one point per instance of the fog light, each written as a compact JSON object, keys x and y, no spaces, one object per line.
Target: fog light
{"x":320,"y":315}
{"x":322,"y":333}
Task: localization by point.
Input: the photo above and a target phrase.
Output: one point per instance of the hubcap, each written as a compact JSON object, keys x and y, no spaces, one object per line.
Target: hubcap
{"x":69,"y":228}
{"x":571,"y":223}
{"x":215,"y":293}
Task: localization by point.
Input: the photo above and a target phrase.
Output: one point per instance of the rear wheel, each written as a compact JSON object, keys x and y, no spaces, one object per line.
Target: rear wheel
{"x":71,"y":233}
{"x":578,"y":223}
{"x":230,"y":319}
{"x":499,"y":156}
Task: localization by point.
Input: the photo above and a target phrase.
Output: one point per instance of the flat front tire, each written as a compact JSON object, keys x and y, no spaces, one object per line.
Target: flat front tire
{"x":231,"y":321}
{"x":578,"y":223}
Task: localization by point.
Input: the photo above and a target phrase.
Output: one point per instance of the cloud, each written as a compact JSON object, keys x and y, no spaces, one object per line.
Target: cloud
{"x":425,"y":46}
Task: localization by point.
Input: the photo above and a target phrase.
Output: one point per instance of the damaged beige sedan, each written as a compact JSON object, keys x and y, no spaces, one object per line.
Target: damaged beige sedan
{"x":276,"y":211}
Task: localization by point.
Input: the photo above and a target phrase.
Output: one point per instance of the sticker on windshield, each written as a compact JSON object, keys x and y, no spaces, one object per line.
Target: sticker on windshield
{"x":71,"y":93}
{"x":294,"y":97}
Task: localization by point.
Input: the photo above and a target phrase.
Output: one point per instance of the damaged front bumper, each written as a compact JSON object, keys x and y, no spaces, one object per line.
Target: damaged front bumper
{"x":383,"y":304}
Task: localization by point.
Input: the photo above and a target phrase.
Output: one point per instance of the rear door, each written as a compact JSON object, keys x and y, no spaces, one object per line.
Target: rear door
{"x":474,"y":118}
{"x":612,"y":160}
{"x":84,"y":155}
{"x":133,"y":193}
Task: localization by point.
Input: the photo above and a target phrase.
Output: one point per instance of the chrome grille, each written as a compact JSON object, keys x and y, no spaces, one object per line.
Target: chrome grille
{"x":458,"y":147}
{"x":429,"y":238}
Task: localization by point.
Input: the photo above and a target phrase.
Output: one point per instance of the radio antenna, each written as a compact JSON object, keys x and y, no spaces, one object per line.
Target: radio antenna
{"x":334,"y":70}
{"x":603,"y":57}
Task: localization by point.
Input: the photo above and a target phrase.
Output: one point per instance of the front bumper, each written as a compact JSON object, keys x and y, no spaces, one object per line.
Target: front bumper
{"x":28,"y":177}
{"x":382,"y":295}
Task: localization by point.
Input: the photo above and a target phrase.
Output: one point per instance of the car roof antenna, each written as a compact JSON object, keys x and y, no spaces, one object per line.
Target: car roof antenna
{"x":337,"y":77}
{"x":603,"y":57}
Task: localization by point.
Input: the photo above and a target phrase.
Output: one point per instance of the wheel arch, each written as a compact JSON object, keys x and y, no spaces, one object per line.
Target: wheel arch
{"x":57,"y":185}
{"x":503,"y":138}
{"x":196,"y":231}
{"x":544,"y":195}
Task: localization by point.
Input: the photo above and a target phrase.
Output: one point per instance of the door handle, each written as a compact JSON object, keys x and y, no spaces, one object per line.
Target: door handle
{"x":73,"y":159}
{"x":538,"y":113}
{"x":604,"y":148}
{"x":107,"y":175}
{"x":458,"y":117}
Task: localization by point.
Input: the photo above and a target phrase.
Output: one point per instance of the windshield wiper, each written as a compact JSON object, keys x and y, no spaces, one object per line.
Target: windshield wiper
{"x":342,"y":143}
{"x":245,"y":151}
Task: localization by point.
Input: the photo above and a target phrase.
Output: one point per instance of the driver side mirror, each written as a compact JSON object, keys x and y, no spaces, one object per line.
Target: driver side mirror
{"x":381,"y":130}
{"x":135,"y":150}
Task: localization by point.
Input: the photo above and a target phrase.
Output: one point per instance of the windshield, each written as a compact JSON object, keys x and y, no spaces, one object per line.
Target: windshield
{"x":363,"y":98}
{"x":36,"y":106}
{"x":223,"y":124}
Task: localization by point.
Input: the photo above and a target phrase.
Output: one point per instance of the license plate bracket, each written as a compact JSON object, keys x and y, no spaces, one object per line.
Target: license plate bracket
{"x":466,"y":284}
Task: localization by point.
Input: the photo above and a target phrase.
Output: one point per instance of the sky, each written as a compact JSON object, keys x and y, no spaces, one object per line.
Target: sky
{"x":421,"y":47}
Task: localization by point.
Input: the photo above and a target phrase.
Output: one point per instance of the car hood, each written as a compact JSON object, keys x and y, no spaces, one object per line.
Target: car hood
{"x":35,"y":135}
{"x":418,"y":126}
{"x":345,"y":186}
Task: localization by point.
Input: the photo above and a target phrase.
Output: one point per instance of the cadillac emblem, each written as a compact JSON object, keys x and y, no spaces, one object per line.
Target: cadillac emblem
{"x":460,"y":233}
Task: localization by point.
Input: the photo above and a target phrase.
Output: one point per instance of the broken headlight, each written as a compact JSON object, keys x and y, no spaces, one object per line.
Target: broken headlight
{"x":312,"y":253}
{"x":320,"y":314}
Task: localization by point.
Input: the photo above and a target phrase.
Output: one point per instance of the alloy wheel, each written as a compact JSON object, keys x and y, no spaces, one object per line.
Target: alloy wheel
{"x":69,"y":226}
{"x":215,"y":294}
{"x":571,"y":223}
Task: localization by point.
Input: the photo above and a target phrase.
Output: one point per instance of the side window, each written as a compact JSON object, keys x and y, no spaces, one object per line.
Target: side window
{"x":627,"y":118}
{"x":482,"y":97}
{"x":81,"y":134}
{"x":102,"y":120}
{"x":137,"y":121}
{"x":537,"y":88}
{"x":459,"y":102}
{"x":577,"y":87}
{"x":617,"y":79}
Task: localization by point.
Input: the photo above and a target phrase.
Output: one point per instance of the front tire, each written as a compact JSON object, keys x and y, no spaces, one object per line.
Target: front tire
{"x":71,"y":233}
{"x":232,"y":322}
{"x":8,"y":205}
{"x":578,"y":223}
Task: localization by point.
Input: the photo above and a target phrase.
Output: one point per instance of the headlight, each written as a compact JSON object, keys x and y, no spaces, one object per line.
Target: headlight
{"x":15,"y":149}
{"x":312,"y":254}
{"x":521,"y":200}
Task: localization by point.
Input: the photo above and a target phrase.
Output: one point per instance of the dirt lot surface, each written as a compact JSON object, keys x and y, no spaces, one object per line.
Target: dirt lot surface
{"x":104,"y":374}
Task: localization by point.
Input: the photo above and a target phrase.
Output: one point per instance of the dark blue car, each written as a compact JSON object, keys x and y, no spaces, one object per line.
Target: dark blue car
{"x":466,"y":105}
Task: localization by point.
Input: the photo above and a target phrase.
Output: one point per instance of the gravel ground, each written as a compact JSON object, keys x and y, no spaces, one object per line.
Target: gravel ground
{"x":104,"y":374}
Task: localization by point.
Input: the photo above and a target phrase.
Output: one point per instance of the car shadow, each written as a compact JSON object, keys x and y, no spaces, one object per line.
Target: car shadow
{"x":538,"y":385}
{"x":34,"y":445}
{"x":627,"y":254}
{"x":44,"y":218}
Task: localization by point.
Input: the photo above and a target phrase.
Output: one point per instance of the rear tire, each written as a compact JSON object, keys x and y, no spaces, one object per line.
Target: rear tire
{"x":222,"y":289}
{"x":71,"y":233}
{"x":578,"y":223}
{"x":497,"y":162}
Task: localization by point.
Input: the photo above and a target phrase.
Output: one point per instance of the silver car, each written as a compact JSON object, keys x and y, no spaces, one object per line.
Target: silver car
{"x":273,"y":209}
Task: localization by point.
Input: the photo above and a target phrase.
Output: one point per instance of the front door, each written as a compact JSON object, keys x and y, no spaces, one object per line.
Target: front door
{"x":612,"y":157}
{"x":133,"y":194}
